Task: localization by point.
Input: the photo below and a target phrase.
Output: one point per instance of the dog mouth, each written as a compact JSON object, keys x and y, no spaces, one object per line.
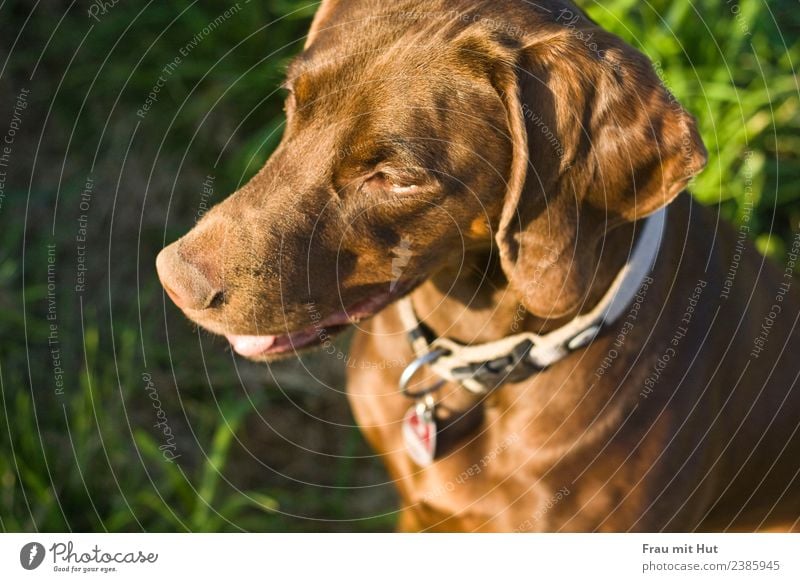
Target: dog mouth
{"x":321,"y":331}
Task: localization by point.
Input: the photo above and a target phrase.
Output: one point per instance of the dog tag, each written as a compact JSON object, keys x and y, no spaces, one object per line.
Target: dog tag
{"x":419,"y":434}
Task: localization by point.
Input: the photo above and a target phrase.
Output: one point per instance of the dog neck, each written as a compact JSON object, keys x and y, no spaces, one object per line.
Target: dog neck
{"x":484,"y":310}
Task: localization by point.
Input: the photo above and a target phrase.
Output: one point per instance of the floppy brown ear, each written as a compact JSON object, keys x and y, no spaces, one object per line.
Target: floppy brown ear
{"x":597,"y":141}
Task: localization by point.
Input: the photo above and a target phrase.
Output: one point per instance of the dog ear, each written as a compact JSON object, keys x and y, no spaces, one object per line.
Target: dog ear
{"x":597,"y":141}
{"x":322,"y":18}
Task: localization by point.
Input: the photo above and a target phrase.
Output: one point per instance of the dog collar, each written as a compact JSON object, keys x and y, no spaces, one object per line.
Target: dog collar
{"x":481,"y":368}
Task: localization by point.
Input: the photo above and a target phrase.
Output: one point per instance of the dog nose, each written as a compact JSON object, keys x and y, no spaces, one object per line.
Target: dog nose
{"x":185,"y":283}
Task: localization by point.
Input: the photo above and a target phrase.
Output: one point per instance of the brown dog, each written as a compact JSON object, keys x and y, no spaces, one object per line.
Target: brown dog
{"x":495,"y":160}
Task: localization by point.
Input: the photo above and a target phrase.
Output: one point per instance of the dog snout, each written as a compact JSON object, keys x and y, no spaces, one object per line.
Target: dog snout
{"x":187,"y":284}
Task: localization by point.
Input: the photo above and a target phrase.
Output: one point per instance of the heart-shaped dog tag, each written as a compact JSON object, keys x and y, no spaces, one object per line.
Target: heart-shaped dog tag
{"x":419,"y":434}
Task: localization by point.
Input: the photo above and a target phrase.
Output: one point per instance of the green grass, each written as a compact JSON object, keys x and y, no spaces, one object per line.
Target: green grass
{"x":90,"y":460}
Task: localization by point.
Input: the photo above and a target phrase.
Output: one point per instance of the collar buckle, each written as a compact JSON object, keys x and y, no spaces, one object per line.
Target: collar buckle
{"x":512,"y":367}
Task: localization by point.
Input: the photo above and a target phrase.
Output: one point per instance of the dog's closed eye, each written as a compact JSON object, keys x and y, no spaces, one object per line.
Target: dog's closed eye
{"x":380,"y":182}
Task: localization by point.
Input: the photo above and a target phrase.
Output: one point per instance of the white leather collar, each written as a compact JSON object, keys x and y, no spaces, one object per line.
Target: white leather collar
{"x":535,"y":350}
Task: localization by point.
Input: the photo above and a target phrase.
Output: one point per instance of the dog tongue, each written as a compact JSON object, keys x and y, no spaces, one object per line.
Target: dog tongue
{"x":251,"y":345}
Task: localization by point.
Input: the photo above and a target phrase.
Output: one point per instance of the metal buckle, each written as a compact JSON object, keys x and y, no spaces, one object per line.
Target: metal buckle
{"x":414,"y":367}
{"x":504,"y":369}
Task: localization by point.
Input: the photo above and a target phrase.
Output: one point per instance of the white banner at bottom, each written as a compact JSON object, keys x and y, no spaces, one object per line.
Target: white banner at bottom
{"x":400,"y":557}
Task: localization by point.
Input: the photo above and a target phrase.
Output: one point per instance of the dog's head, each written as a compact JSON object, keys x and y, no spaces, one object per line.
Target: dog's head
{"x":414,"y":136}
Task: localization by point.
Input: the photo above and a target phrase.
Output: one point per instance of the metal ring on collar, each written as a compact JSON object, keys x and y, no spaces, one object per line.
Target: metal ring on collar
{"x":414,"y":367}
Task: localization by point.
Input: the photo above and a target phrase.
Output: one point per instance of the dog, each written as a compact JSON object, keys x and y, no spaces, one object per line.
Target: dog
{"x":493,"y":193}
